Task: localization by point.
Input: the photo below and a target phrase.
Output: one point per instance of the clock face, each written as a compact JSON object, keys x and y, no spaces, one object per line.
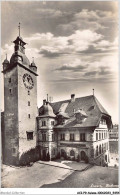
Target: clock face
{"x":28,"y":81}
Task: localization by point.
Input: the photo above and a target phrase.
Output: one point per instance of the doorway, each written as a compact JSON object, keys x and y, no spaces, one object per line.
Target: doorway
{"x":83,"y":155}
{"x":44,"y":154}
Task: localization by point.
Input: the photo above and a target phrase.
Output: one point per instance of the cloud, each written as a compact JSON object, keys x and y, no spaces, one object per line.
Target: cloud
{"x":91,"y":73}
{"x":53,"y":46}
{"x":49,"y":13}
{"x":50,"y":54}
{"x":75,"y":66}
{"x":74,"y":69}
{"x":100,"y":71}
{"x":94,"y":20}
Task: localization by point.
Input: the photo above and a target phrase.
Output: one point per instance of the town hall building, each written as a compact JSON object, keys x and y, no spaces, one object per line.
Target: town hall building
{"x":74,"y":129}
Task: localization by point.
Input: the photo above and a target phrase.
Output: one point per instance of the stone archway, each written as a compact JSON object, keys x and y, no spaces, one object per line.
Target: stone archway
{"x":106,"y":158}
{"x":72,"y":153}
{"x":63,"y":153}
{"x":83,"y":155}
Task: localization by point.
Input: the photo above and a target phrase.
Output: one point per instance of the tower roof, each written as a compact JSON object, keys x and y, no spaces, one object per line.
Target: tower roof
{"x":21,"y":57}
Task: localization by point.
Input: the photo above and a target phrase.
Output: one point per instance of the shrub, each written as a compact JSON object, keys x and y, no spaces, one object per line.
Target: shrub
{"x":30,"y":156}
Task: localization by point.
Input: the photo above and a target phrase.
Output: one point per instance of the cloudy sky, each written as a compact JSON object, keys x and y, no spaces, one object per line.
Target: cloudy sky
{"x":74,"y":44}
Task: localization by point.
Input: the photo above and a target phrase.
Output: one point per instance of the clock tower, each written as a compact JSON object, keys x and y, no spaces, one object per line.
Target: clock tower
{"x":20,"y":103}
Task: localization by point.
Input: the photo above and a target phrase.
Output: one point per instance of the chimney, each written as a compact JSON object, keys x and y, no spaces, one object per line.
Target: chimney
{"x":44,"y":102}
{"x":72,"y":97}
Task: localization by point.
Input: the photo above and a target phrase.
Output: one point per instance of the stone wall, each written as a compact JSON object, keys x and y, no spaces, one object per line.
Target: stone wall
{"x":11,"y":152}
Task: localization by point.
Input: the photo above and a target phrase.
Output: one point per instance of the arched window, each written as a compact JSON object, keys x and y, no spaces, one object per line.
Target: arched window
{"x":106,"y":158}
{"x":100,"y":149}
{"x":63,"y":153}
{"x":72,"y":153}
{"x":97,"y":151}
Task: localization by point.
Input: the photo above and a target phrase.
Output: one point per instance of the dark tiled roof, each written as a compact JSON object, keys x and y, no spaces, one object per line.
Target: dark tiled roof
{"x":89,"y":104}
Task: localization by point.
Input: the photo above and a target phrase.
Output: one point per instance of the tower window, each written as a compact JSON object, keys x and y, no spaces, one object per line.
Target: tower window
{"x":28,"y":115}
{"x":28,"y":92}
{"x":10,"y":90}
{"x":28,"y":103}
{"x":43,"y":123}
{"x":29,"y":135}
{"x":13,"y":150}
{"x":9,"y":80}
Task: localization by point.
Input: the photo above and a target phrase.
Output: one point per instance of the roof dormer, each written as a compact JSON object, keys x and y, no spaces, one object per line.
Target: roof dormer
{"x":80,"y":115}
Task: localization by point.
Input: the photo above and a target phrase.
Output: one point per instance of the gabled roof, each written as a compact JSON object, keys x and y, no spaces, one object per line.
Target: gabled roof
{"x":89,"y":104}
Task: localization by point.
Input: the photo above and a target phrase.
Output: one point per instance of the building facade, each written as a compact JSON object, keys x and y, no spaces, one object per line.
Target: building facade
{"x":75,"y":129}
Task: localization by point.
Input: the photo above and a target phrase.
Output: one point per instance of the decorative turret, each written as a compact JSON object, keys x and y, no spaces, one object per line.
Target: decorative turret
{"x":33,"y":65}
{"x":46,"y":110}
{"x":5,"y":63}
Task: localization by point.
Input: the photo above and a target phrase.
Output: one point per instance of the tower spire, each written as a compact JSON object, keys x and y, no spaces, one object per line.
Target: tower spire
{"x":19,"y":29}
{"x":93,"y":92}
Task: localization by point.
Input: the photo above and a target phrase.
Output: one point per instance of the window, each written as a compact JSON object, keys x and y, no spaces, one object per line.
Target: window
{"x":100,"y":149}
{"x":29,"y":135}
{"x":10,"y":90}
{"x":62,"y":136}
{"x":82,"y":137}
{"x":43,"y":123}
{"x":106,"y":135}
{"x":106,"y":158}
{"x":96,"y":135}
{"x":28,"y":115}
{"x":53,"y":137}
{"x":9,"y":80}
{"x":99,"y":136}
{"x":28,"y":92}
{"x":53,"y":151}
{"x":102,"y":135}
{"x":13,"y":150}
{"x":97,"y":151}
{"x":71,"y":136}
{"x":43,"y":137}
{"x":28,"y":103}
{"x":52,"y":123}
